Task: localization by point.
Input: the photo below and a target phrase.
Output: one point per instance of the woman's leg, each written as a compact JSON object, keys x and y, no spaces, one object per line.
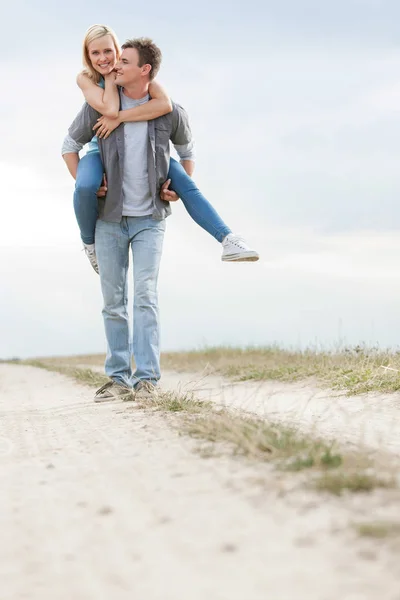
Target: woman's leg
{"x":195,"y":203}
{"x":88,"y":180}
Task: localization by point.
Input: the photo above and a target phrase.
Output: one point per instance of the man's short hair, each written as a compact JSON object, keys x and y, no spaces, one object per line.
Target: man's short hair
{"x":149,"y":53}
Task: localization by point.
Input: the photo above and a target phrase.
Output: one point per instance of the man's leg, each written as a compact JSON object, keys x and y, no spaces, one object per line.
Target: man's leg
{"x":112,"y":248}
{"x":147,"y":237}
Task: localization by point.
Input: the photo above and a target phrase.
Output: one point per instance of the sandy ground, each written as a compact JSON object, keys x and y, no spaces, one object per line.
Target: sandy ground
{"x":108,"y":501}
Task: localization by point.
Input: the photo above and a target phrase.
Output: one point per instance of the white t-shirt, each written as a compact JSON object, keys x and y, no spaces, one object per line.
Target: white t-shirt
{"x":137,"y":200}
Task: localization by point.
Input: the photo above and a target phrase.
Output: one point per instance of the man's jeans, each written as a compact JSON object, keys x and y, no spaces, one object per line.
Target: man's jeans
{"x":113,"y":241}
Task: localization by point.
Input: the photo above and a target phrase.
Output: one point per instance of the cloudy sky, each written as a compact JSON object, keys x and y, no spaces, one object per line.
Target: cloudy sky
{"x":295,"y":107}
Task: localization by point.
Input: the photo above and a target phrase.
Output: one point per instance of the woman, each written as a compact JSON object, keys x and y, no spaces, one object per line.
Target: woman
{"x":101,"y":52}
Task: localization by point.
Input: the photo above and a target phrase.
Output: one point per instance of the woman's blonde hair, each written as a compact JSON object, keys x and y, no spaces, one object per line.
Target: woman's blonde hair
{"x":93,"y":33}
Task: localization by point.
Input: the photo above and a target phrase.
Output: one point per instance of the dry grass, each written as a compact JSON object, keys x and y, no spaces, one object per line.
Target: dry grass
{"x":333,"y":471}
{"x":354,"y":481}
{"x":378,"y":529}
{"x":85,"y":376}
{"x":355,"y":370}
{"x":231,"y":432}
{"x":261,"y":440}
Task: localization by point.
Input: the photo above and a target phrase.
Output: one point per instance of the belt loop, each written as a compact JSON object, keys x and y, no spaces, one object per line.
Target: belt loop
{"x":124,"y":225}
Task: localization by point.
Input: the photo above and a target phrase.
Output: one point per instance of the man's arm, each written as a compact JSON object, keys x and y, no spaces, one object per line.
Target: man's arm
{"x":188,"y":165}
{"x":70,"y":153}
{"x":79,"y":133}
{"x":181,"y":137}
{"x":187,"y":155}
{"x":169,"y":195}
{"x":71,"y":159}
{"x":81,"y":129}
{"x":180,"y":133}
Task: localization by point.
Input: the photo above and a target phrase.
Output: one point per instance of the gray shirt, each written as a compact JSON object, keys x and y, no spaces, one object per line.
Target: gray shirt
{"x":114,"y":153}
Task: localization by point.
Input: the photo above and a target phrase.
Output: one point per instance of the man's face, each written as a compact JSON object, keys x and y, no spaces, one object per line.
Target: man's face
{"x":127,"y":68}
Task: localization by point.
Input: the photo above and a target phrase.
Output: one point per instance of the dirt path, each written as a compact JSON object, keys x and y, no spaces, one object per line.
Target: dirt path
{"x":108,"y":501}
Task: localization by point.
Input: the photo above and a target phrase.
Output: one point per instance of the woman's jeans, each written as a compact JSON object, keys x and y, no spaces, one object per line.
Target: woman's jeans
{"x":88,"y":181}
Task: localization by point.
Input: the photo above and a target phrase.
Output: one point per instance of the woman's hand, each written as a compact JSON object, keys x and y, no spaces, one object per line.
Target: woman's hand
{"x":105,"y":126}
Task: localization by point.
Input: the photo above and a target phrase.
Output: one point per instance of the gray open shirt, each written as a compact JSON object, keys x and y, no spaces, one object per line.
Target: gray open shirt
{"x":174,"y":126}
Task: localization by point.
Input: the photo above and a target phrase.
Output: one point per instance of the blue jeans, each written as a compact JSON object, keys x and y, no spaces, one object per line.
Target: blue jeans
{"x":195,"y":203}
{"x":144,"y":235}
{"x":88,"y":180}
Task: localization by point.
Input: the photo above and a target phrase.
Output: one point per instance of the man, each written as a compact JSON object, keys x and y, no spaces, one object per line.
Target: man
{"x":135,"y":159}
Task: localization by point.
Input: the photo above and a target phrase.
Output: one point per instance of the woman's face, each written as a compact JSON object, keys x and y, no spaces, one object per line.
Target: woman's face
{"x":102,"y":54}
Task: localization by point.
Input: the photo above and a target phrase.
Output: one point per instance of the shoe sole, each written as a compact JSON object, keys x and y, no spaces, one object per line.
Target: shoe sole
{"x":251,"y":257}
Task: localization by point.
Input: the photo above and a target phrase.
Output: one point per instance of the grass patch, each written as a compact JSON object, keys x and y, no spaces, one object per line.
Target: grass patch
{"x":288,"y":450}
{"x":179,"y":403}
{"x":356,"y":370}
{"x":353,"y":481}
{"x":85,"y":376}
{"x":378,"y":529}
{"x":258,"y":439}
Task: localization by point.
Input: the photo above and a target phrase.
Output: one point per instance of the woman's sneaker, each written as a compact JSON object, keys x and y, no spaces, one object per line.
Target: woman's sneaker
{"x":91,"y":254}
{"x":235,"y":249}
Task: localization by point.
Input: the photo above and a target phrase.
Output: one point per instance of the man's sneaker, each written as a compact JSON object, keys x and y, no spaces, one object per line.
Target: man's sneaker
{"x":91,"y":254}
{"x":235,"y":249}
{"x":113,"y":391}
{"x":144,"y":390}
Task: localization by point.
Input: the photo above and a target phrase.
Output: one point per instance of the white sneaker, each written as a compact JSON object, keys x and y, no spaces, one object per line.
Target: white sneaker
{"x":91,"y":254}
{"x":235,"y":249}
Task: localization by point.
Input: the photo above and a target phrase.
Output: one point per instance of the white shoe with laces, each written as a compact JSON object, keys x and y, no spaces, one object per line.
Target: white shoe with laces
{"x":91,"y":254}
{"x":235,"y":249}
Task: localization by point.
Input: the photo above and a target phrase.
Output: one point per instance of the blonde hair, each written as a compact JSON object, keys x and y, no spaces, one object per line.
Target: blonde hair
{"x":93,"y":33}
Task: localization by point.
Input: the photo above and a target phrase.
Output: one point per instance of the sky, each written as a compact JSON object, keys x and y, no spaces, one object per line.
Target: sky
{"x":295,"y":108}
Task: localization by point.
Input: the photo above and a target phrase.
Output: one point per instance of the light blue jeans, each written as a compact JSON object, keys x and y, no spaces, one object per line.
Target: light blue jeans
{"x":88,"y":180}
{"x":144,"y":236}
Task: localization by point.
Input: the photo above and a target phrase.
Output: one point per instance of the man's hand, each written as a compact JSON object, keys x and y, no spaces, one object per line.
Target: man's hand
{"x":105,"y":126}
{"x":102,"y":191}
{"x":166,"y":194}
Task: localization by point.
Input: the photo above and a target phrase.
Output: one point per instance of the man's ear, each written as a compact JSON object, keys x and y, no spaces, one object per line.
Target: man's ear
{"x":146,"y":69}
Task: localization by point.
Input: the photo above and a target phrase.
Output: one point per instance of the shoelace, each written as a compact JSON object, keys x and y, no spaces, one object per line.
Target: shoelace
{"x":239,"y":242}
{"x":144,"y":385}
{"x":104,"y":387}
